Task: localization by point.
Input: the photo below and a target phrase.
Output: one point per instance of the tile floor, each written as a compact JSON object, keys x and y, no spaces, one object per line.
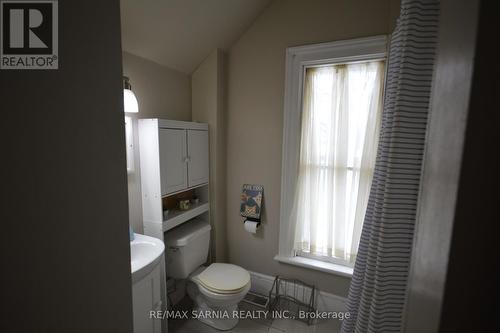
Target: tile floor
{"x":255,"y":325}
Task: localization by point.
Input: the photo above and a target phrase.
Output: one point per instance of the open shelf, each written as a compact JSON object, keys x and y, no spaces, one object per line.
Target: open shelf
{"x":177,"y":217}
{"x":184,"y":190}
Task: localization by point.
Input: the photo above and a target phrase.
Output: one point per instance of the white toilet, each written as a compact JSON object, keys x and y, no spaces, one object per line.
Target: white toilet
{"x":217,"y":289}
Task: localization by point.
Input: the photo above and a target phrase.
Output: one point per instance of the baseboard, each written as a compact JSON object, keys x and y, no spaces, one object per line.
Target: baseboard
{"x":262,"y":284}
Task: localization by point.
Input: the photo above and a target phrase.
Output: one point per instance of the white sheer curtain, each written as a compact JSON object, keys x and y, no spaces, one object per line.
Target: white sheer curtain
{"x":340,"y":124}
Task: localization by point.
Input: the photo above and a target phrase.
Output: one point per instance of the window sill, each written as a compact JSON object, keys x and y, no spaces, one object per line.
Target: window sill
{"x":316,"y":265}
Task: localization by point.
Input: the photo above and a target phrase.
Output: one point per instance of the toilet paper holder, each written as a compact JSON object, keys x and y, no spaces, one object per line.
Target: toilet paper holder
{"x":251,"y":226}
{"x":252,"y":220}
{"x":252,"y":197}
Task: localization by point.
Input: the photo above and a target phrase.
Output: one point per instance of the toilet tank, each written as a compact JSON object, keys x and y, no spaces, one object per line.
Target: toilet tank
{"x":186,"y":248}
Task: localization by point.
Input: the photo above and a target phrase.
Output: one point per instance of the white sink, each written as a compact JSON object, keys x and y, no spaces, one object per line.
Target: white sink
{"x":145,"y":254}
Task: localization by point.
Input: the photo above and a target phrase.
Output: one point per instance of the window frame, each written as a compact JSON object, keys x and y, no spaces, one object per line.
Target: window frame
{"x":298,"y":59}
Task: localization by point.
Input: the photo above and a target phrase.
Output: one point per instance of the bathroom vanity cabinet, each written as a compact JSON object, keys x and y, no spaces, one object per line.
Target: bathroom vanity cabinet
{"x":146,"y":294}
{"x":174,"y":161}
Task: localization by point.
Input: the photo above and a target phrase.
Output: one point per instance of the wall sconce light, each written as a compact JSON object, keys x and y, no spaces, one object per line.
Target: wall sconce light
{"x":130,"y":103}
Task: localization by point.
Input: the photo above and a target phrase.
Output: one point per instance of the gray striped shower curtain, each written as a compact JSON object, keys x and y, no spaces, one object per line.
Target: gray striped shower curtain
{"x":378,"y":289}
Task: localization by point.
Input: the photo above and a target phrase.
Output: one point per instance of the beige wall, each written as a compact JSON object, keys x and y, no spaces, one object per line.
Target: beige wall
{"x":207,"y":106}
{"x":162,"y":93}
{"x":256,"y":73}
{"x":65,"y":248}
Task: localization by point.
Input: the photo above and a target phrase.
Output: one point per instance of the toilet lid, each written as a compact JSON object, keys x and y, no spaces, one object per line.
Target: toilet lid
{"x":224,"y":278}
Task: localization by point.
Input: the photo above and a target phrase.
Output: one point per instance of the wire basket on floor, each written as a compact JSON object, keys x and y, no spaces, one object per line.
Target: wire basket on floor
{"x":292,"y":298}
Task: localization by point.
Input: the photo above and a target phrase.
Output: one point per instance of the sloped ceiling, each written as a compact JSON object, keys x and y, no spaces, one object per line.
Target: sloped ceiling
{"x":181,"y":33}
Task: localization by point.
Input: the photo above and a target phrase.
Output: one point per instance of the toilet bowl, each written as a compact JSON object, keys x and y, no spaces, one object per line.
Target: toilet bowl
{"x":217,"y":289}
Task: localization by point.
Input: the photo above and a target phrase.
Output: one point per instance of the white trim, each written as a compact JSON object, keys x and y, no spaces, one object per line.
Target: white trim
{"x":297,"y":59}
{"x":319,"y":265}
{"x":262,"y":284}
{"x":331,"y":260}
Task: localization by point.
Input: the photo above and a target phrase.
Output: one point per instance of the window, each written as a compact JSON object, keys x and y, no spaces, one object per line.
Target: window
{"x":332,"y":116}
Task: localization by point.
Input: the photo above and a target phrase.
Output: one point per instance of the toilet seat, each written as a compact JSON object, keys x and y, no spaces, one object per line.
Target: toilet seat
{"x":222,"y":278}
{"x":223,"y":298}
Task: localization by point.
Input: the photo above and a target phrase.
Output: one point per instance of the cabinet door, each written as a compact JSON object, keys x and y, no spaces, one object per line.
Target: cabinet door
{"x":146,"y":297}
{"x":197,"y":157}
{"x":173,"y":166}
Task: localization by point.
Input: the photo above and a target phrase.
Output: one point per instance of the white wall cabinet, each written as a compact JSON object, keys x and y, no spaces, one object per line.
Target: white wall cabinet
{"x":174,"y":157}
{"x":176,"y":151}
{"x":183,"y":159}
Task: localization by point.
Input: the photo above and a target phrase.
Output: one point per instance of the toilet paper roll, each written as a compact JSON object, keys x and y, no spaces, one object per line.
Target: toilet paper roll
{"x":251,"y":226}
